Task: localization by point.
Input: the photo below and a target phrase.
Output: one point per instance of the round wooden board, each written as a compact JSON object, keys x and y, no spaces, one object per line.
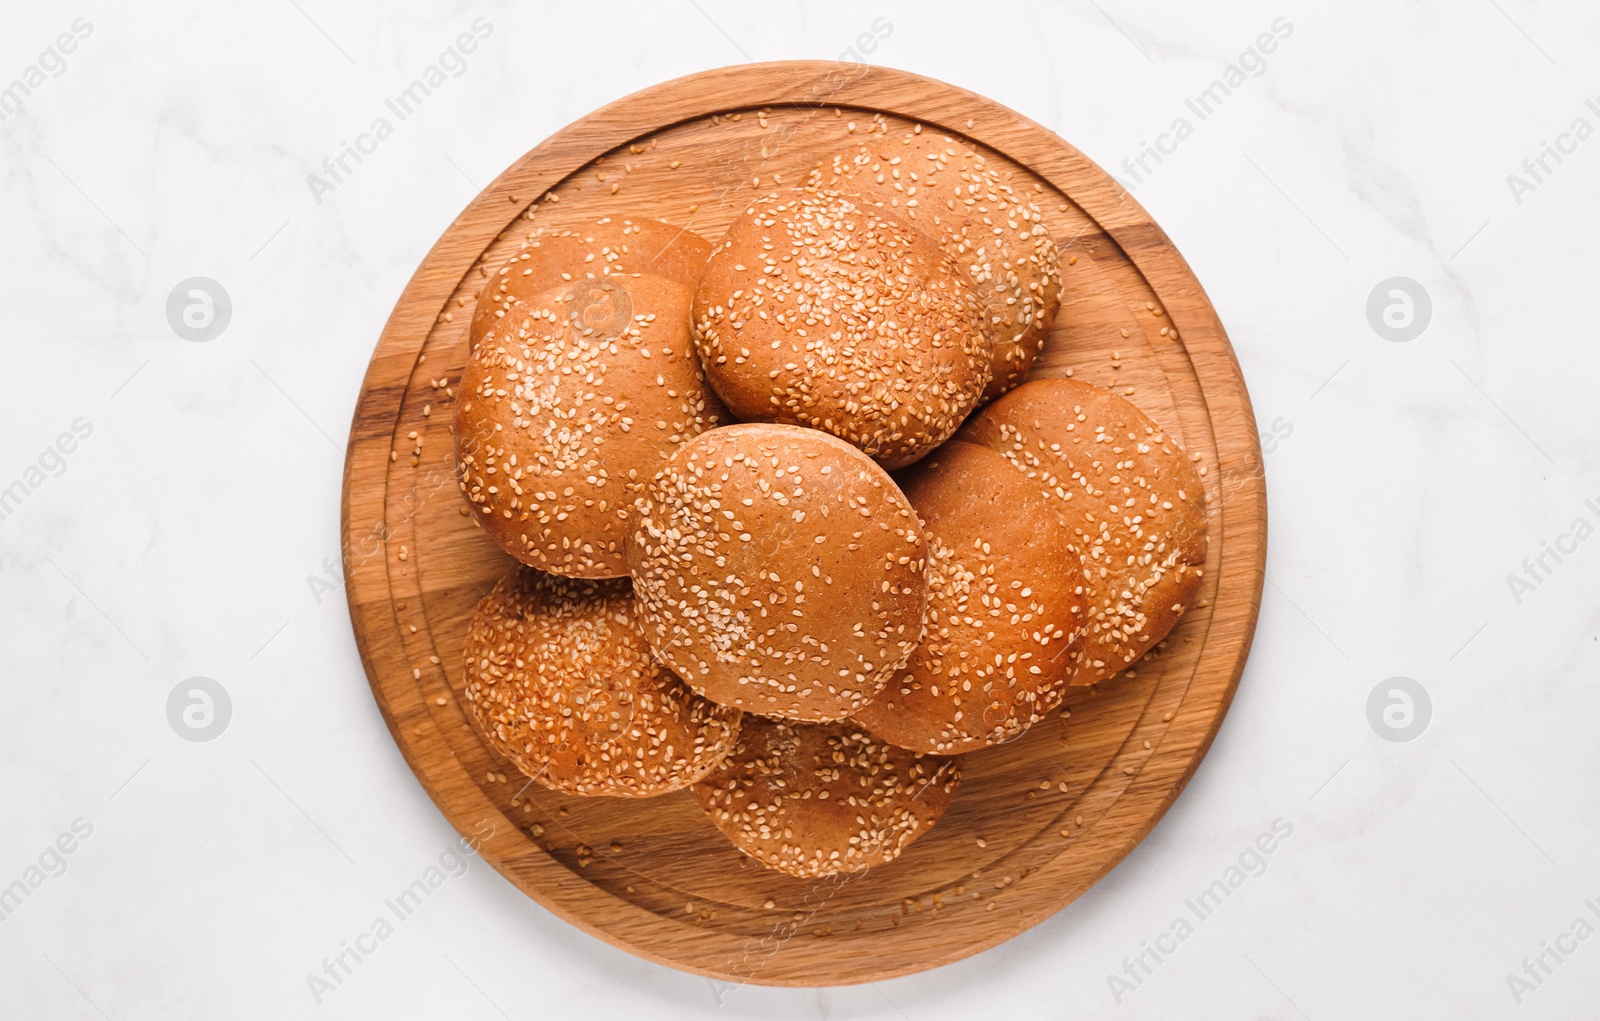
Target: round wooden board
{"x":1056,"y":808}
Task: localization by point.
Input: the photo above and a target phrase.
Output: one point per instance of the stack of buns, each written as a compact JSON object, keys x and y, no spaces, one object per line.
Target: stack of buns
{"x":722,"y":588}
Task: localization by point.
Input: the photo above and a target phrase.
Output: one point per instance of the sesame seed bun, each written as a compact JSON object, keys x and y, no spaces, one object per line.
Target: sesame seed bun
{"x":562,"y":419}
{"x":968,"y":205}
{"x":564,"y":686}
{"x":1130,"y":496}
{"x":1006,"y":608}
{"x":818,"y":310}
{"x":778,"y":570}
{"x":819,"y":799}
{"x":556,"y":254}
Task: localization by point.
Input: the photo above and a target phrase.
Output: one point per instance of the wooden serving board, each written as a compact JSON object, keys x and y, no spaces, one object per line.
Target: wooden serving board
{"x":1036,"y":821}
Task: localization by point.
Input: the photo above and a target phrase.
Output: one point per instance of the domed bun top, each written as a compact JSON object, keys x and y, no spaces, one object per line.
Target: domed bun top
{"x":564,"y":686}
{"x":819,"y":310}
{"x":557,"y":253}
{"x":815,"y":799}
{"x":563,"y":418}
{"x":1006,"y":608}
{"x":1131,"y":497}
{"x":778,"y":570}
{"x":969,"y":205}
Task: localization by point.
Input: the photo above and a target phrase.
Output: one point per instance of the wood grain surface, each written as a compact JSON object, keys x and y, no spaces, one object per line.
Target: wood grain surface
{"x":1036,"y":821}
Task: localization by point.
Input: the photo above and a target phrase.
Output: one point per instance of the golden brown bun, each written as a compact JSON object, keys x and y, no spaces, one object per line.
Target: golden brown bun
{"x":1006,"y":608}
{"x":1130,"y":496}
{"x":815,"y":310}
{"x":815,"y":799}
{"x":557,"y":254}
{"x":779,"y":570}
{"x":565,"y":687}
{"x":967,"y":204}
{"x":563,"y":418}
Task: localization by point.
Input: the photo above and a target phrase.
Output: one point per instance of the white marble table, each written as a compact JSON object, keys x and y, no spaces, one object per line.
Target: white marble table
{"x":170,"y":502}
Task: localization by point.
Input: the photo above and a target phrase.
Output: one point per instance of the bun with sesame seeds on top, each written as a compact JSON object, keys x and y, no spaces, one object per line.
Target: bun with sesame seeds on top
{"x":1128,"y":493}
{"x":968,"y":204}
{"x":820,"y":310}
{"x":568,"y":407}
{"x":563,"y":684}
{"x":1006,"y":608}
{"x":814,"y":799}
{"x":558,"y":253}
{"x":778,"y":570}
